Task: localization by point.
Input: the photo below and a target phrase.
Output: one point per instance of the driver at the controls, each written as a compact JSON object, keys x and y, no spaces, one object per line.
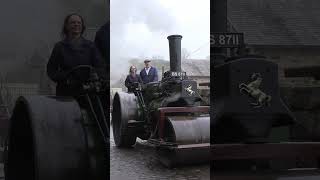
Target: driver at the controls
{"x":73,"y":50}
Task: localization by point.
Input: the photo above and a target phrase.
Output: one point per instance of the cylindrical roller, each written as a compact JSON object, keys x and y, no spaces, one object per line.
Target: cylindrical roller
{"x":125,"y":109}
{"x":184,"y":154}
{"x":190,"y":130}
{"x":49,"y":139}
{"x":191,"y":138}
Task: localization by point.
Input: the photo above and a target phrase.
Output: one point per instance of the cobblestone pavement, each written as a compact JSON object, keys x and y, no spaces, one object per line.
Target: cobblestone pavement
{"x":140,"y":163}
{"x":303,"y":175}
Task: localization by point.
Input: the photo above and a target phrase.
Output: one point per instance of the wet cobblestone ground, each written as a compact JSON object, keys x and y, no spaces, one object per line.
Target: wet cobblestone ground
{"x":297,"y":175}
{"x":140,"y":162}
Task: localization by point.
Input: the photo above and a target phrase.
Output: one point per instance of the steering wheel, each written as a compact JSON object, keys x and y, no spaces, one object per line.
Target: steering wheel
{"x":91,"y":82}
{"x":136,"y":86}
{"x":77,"y":68}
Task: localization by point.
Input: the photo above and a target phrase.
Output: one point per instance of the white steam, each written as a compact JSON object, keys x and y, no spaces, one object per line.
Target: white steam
{"x":142,"y":15}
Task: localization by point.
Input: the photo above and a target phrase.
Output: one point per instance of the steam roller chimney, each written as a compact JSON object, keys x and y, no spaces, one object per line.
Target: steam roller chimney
{"x":175,"y":52}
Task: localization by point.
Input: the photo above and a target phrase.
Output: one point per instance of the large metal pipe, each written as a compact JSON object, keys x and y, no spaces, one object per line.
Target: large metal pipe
{"x":175,"y":52}
{"x":54,"y":129}
{"x":219,"y":16}
{"x":218,"y":25}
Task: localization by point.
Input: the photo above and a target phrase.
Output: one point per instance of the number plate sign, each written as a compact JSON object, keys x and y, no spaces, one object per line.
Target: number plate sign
{"x":226,"y":40}
{"x":178,"y":74}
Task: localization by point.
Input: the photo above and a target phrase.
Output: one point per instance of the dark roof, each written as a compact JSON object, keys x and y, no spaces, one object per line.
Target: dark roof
{"x":196,"y":67}
{"x":276,"y":22}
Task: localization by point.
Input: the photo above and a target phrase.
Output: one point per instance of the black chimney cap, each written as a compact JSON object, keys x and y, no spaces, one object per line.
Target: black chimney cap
{"x":174,"y":36}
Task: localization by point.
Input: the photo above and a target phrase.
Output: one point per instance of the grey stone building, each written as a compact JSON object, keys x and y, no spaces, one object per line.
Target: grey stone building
{"x":286,"y":31}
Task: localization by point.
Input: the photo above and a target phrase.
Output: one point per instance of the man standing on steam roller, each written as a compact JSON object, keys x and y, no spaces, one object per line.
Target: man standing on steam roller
{"x":102,"y":41}
{"x":148,"y":73}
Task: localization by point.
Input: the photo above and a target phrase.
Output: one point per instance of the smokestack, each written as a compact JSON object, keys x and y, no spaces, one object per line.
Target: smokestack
{"x":175,"y":52}
{"x":218,"y":24}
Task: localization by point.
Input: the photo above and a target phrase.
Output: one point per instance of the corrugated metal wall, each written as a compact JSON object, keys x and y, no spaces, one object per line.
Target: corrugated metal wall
{"x":11,"y":91}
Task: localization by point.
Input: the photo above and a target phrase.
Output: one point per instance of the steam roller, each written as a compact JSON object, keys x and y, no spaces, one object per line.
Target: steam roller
{"x":52,"y":137}
{"x":252,"y":127}
{"x":167,"y":114}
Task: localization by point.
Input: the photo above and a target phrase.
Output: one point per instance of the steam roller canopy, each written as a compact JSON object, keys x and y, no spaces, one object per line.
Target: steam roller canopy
{"x":50,"y":138}
{"x":190,"y":137}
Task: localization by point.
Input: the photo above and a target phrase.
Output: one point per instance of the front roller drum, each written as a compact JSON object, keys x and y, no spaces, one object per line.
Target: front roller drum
{"x":190,"y":138}
{"x":125,"y":110}
{"x":173,"y":156}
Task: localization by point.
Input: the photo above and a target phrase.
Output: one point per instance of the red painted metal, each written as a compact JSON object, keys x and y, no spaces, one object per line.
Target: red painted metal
{"x":265,"y":151}
{"x":205,"y":84}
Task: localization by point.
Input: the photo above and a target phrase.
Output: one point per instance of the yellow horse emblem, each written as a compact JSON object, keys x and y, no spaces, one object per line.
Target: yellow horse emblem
{"x":189,"y":90}
{"x":252,"y":89}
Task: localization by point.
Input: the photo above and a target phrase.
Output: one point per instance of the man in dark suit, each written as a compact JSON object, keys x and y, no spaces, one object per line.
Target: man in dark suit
{"x":102,"y":41}
{"x":148,"y":73}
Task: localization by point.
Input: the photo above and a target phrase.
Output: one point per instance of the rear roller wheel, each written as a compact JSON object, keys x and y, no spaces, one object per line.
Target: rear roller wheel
{"x":48,"y":139}
{"x":124,"y":109}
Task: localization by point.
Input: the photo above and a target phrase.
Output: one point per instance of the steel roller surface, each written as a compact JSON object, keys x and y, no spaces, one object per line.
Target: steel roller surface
{"x":180,"y":155}
{"x":50,"y":139}
{"x":190,"y":130}
{"x":191,"y":141}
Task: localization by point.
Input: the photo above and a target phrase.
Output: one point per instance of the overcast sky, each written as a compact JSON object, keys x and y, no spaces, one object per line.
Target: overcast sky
{"x":140,"y":28}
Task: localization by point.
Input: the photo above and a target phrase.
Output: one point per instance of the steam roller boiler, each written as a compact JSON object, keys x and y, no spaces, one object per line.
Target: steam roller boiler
{"x":251,"y":126}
